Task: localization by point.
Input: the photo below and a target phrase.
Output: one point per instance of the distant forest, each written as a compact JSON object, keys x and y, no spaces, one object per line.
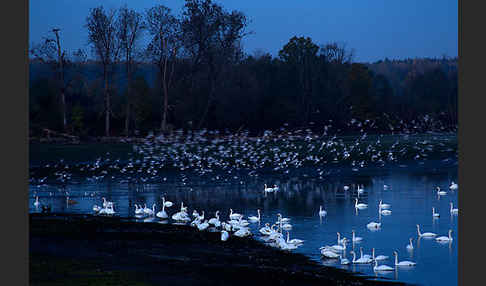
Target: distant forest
{"x":154,"y":71}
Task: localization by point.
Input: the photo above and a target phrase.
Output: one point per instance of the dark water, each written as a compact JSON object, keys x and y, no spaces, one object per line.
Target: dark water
{"x":411,"y":194}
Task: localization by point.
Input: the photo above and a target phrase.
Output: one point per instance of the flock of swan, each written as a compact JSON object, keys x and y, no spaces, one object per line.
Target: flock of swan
{"x":272,"y":233}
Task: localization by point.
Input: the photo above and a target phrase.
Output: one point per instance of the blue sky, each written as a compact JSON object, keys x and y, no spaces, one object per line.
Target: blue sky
{"x":375,"y":29}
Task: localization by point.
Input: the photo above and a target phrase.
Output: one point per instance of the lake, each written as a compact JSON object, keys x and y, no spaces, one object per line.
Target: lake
{"x":410,"y":190}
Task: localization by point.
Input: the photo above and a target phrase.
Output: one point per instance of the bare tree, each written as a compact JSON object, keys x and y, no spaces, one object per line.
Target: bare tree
{"x":130,"y":26}
{"x":50,"y":52}
{"x":102,"y":35}
{"x":212,"y":38}
{"x":163,"y":48}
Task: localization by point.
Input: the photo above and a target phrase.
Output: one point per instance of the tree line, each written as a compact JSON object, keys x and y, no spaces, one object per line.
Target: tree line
{"x":155,"y":71}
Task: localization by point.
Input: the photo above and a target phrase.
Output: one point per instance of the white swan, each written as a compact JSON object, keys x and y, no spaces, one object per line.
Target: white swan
{"x":402,"y":263}
{"x":242,"y":232}
{"x":326,"y":252}
{"x":379,"y":257}
{"x":453,"y":186}
{"x":275,"y":188}
{"x":434,"y":214}
{"x":410,"y":245}
{"x":167,"y":204}
{"x":105,"y":202}
{"x":360,"y":260}
{"x":346,"y":188}
{"x":255,"y":218}
{"x":356,"y":238}
{"x":377,"y":268}
{"x":215,"y":220}
{"x":294,"y":240}
{"x":282,"y":219}
{"x":195,"y":214}
{"x":138,"y":210}
{"x":36,"y":203}
{"x":453,"y":210}
{"x":96,"y":208}
{"x":339,"y":240}
{"x":366,"y":256}
{"x":360,"y":189}
{"x":383,"y":212}
{"x":148,"y":211}
{"x":267,"y":190}
{"x":235,"y":216}
{"x":162,"y":214}
{"x":360,"y":205}
{"x":439,"y":192}
{"x":322,"y":212}
{"x":425,"y":234}
{"x":384,"y":206}
{"x":445,"y":238}
{"x":373,"y":225}
{"x":203,"y":226}
{"x":266,"y":230}
{"x":339,"y":247}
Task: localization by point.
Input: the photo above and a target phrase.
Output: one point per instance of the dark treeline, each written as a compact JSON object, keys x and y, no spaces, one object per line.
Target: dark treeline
{"x":193,"y":74}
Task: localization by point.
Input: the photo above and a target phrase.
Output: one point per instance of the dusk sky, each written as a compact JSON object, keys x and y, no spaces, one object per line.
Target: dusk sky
{"x":375,"y":29}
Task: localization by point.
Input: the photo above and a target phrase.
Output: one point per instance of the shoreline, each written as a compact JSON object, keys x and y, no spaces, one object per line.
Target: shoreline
{"x":67,"y":248}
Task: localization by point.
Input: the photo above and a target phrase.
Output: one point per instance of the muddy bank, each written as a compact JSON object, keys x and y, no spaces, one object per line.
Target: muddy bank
{"x":84,"y":249}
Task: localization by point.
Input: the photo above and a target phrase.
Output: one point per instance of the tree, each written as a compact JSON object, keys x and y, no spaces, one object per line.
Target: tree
{"x":50,"y":51}
{"x":162,"y":49}
{"x":301,"y":55}
{"x":130,"y":26}
{"x":212,"y":41}
{"x":102,"y":35}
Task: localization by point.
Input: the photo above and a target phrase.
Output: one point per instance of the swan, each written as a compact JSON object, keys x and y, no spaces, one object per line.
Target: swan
{"x":224,"y":235}
{"x":453,"y":186}
{"x":203,"y":226}
{"x":96,"y":208}
{"x":384,"y":206}
{"x":322,"y":212}
{"x":167,"y":204}
{"x":445,"y":238}
{"x":360,"y":189}
{"x":383,"y":212}
{"x":36,"y":203}
{"x":434,"y":214}
{"x":235,"y":216}
{"x":373,"y":225}
{"x":183,"y":208}
{"x":201,"y":217}
{"x":266,"y":230}
{"x":410,"y":245}
{"x":377,"y":268}
{"x":402,"y":263}
{"x":293,"y":241}
{"x":138,"y":210}
{"x":361,"y":260}
{"x":148,"y":211}
{"x":162,"y":214}
{"x":339,"y":247}
{"x":356,"y":238}
{"x":360,"y":205}
{"x":365,"y":256}
{"x":215,"y":220}
{"x":283,"y":219}
{"x":242,"y":232}
{"x":255,"y":218}
{"x":439,"y":192}
{"x":326,"y":252}
{"x":425,"y":234}
{"x":268,"y":190}
{"x":195,"y":214}
{"x":340,"y":241}
{"x":105,"y":202}
{"x":275,"y":188}
{"x":286,"y":226}
{"x":453,"y":210}
{"x":346,"y":188}
{"x":379,"y":257}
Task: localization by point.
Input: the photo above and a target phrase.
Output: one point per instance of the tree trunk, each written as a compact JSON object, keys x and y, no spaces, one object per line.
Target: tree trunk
{"x":129,"y":77}
{"x":107,"y":106}
{"x":63,"y":100}
{"x":208,"y":104}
